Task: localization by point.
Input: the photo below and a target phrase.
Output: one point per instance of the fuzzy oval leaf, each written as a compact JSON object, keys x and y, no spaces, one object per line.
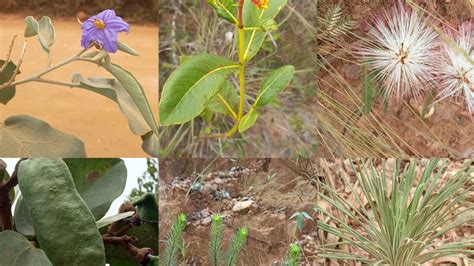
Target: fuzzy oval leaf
{"x":22,"y":218}
{"x":6,"y":73}
{"x":98,"y":181}
{"x":16,"y":250}
{"x":277,"y":81}
{"x":46,"y":33}
{"x":190,"y":88}
{"x":112,"y":219}
{"x":136,"y":92}
{"x":147,"y":207}
{"x":114,"y":90}
{"x":254,"y":17}
{"x":126,"y":49}
{"x":26,"y":136}
{"x":32,"y":27}
{"x":248,"y":120}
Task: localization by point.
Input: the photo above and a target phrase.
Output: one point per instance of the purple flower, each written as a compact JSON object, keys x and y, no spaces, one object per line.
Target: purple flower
{"x":102,"y":30}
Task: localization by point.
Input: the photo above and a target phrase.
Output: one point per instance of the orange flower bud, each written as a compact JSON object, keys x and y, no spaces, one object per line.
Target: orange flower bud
{"x":261,"y":4}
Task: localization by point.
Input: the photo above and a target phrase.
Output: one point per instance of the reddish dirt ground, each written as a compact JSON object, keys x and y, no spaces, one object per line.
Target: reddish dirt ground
{"x":96,"y":120}
{"x":276,"y":190}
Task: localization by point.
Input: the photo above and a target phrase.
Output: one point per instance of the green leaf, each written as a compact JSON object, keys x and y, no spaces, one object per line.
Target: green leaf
{"x":98,"y":181}
{"x":278,"y":80}
{"x":248,"y":120}
{"x":26,"y":136}
{"x":136,"y":92}
{"x":22,"y":218}
{"x":226,"y":9}
{"x":112,"y":219}
{"x":126,"y":49}
{"x":7,"y":94}
{"x":32,"y":27}
{"x":254,"y":17}
{"x":46,"y":33}
{"x":114,"y":90}
{"x":227,"y":92}
{"x":147,"y":207}
{"x":191,"y":87}
{"x":16,"y":250}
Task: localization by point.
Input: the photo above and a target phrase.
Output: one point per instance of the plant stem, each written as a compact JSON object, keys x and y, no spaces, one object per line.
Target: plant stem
{"x":241,"y":32}
{"x":37,"y":76}
{"x":5,"y":202}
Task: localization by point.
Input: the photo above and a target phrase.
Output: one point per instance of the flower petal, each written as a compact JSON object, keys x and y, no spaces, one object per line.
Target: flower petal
{"x":110,"y":40}
{"x":107,"y":15}
{"x":117,"y":25}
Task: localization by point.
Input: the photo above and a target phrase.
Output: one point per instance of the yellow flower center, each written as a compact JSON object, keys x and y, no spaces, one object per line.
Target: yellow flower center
{"x":261,"y":4}
{"x":99,"y":23}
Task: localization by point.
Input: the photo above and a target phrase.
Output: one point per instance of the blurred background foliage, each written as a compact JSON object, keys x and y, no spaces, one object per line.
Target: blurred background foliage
{"x":140,"y":10}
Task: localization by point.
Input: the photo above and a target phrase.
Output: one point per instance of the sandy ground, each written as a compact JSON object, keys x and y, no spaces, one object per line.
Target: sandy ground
{"x":96,"y":120}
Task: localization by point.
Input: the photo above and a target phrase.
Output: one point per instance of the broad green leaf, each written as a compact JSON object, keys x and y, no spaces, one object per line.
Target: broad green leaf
{"x":112,"y":219}
{"x":126,"y":49}
{"x":98,"y":181}
{"x":46,"y":33}
{"x":32,"y":27}
{"x":6,"y":94}
{"x":248,"y":120}
{"x":147,"y":207}
{"x":147,"y":237}
{"x":227,"y":9}
{"x":16,"y":250}
{"x":114,"y":90}
{"x":254,"y":17}
{"x":26,"y":136}
{"x":191,"y":87}
{"x":277,"y":81}
{"x":136,"y":92}
{"x":227,"y":92}
{"x":22,"y":218}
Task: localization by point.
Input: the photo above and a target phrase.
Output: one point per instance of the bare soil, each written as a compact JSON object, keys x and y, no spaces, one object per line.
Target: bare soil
{"x":96,"y":120}
{"x":276,"y":190}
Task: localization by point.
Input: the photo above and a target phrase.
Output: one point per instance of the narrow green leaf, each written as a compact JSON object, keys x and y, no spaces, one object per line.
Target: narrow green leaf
{"x":248,"y":120}
{"x":225,"y":9}
{"x":32,"y":27}
{"x":7,"y":94}
{"x":26,"y":136}
{"x":46,"y":33}
{"x":254,"y":17}
{"x":191,"y":87}
{"x":16,"y":250}
{"x":278,"y":80}
{"x":126,"y":49}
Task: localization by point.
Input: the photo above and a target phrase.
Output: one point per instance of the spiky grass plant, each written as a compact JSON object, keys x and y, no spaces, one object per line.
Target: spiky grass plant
{"x":456,"y":73}
{"x":294,"y":255}
{"x":402,"y":227}
{"x":402,"y":51}
{"x":230,"y":257}
{"x":174,"y":241}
